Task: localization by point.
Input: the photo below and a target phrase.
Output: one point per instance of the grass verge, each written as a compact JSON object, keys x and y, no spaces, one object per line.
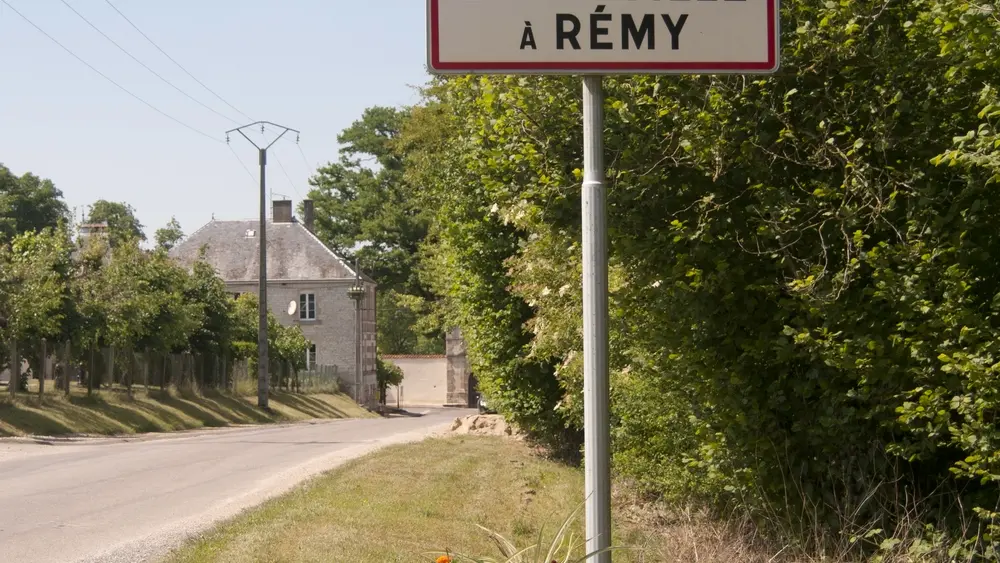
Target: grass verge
{"x":112,"y":412}
{"x":400,"y":503}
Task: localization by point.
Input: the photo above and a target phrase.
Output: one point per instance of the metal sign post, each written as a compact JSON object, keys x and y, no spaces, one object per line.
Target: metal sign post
{"x":596,"y":403}
{"x":617,"y":37}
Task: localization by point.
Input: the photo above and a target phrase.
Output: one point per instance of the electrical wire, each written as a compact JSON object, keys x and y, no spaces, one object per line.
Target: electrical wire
{"x":145,"y":66}
{"x":151,"y":42}
{"x":240,"y":160}
{"x":289,"y":178}
{"x":106,"y":77}
{"x":277,"y":159}
{"x":195,"y":78}
{"x":304,"y":159}
{"x":298,"y":145}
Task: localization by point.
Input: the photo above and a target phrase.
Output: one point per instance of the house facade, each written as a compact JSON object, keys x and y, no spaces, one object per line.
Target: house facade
{"x":307,"y":286}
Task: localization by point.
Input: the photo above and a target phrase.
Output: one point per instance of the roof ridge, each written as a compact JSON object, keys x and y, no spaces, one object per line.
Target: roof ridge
{"x":191,"y":236}
{"x":334,"y":254}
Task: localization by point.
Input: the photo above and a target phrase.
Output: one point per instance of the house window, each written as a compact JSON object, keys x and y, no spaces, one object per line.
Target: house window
{"x":311,"y":357}
{"x":307,"y":306}
{"x":237,"y":295}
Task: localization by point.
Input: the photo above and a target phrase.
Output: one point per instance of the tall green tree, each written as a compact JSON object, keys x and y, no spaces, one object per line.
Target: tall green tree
{"x":28,"y":204}
{"x":366,"y":209}
{"x":216,"y":329}
{"x":34,"y":291}
{"x":120,"y":217}
{"x":170,"y":235}
{"x":364,"y":199}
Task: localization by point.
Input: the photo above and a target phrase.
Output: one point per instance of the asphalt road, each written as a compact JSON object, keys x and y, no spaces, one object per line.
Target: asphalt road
{"x":113,"y":500}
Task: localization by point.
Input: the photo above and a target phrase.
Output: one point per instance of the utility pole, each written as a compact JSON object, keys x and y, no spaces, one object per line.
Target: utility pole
{"x":263,"y":379}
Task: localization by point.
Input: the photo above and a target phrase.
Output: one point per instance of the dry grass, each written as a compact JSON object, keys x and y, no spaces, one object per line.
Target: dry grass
{"x":111,"y":412}
{"x":401,"y":503}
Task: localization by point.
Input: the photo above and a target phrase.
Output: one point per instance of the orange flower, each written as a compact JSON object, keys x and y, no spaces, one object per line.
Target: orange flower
{"x":443,"y":559}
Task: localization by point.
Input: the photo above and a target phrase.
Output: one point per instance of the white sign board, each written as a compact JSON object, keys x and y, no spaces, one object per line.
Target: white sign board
{"x":604,"y":37}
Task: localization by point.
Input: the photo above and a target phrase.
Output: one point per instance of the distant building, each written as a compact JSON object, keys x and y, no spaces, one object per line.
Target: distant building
{"x":89,"y":231}
{"x":303,"y":271}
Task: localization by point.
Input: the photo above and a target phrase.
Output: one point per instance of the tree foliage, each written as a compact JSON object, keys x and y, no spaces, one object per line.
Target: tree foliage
{"x":33,"y":284}
{"x":108,"y":292}
{"x":387,"y":374}
{"x":122,"y":223}
{"x":365,"y":210}
{"x":28,"y":204}
{"x":285,"y":344}
{"x":803,"y":282}
{"x":170,"y":235}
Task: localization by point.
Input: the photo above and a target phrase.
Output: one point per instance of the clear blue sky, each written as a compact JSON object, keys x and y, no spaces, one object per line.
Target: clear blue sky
{"x":313,"y":65}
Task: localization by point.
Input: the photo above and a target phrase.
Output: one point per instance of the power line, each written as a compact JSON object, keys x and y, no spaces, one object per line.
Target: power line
{"x":304,"y":159}
{"x":277,"y":158}
{"x":203,"y":85}
{"x":287,"y":177}
{"x":309,"y":167}
{"x":145,"y":66}
{"x":240,"y":160}
{"x":106,"y":77}
{"x":151,"y":42}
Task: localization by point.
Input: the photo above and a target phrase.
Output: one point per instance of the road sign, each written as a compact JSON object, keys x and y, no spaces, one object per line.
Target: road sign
{"x":606,"y":37}
{"x":613,"y":37}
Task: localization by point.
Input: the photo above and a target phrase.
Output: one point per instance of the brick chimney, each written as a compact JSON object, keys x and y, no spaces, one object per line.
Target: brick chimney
{"x":308,"y":213}
{"x":281,"y":211}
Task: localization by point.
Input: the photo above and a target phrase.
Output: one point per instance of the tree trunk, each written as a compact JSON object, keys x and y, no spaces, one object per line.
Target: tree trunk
{"x":67,"y":364}
{"x":44,"y":370}
{"x":146,"y":360}
{"x":15,"y":369}
{"x":90,"y":373}
{"x":127,"y":377}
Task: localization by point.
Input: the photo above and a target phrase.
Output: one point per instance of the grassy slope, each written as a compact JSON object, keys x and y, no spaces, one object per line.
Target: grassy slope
{"x":398,"y":504}
{"x":112,"y":412}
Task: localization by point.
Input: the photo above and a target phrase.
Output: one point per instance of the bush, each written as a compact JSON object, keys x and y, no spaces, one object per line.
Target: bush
{"x":387,"y":374}
{"x":805,"y":301}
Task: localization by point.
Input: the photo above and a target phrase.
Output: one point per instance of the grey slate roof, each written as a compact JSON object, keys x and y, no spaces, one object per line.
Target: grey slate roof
{"x":293,"y":253}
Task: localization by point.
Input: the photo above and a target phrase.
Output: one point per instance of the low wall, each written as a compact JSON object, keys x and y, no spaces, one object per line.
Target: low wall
{"x":425,"y":381}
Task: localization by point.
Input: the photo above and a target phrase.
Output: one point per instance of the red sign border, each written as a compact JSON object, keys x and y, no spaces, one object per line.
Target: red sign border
{"x":436,"y":66}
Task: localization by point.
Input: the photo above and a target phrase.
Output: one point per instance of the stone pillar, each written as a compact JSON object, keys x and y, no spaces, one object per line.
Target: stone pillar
{"x":458,"y":369}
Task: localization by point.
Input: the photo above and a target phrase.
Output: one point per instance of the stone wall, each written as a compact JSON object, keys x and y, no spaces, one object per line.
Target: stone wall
{"x":424,"y":383}
{"x":457,"y":371}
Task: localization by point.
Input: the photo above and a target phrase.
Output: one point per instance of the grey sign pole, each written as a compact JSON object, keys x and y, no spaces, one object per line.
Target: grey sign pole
{"x":560,"y":37}
{"x":597,"y":426}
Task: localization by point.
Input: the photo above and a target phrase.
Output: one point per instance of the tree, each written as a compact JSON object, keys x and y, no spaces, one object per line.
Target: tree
{"x":174,"y":317}
{"x":28,"y":204}
{"x":120,"y":217}
{"x":289,"y":353}
{"x":216,"y":329}
{"x":285,"y":344}
{"x":387,"y":374}
{"x":408,"y":324}
{"x":365,"y":208}
{"x":170,"y":235}
{"x":34,"y":275}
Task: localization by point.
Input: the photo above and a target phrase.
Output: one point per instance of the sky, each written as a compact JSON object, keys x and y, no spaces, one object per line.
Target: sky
{"x":312,"y":65}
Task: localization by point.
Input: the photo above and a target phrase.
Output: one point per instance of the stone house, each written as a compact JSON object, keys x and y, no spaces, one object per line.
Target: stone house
{"x":307,"y":286}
